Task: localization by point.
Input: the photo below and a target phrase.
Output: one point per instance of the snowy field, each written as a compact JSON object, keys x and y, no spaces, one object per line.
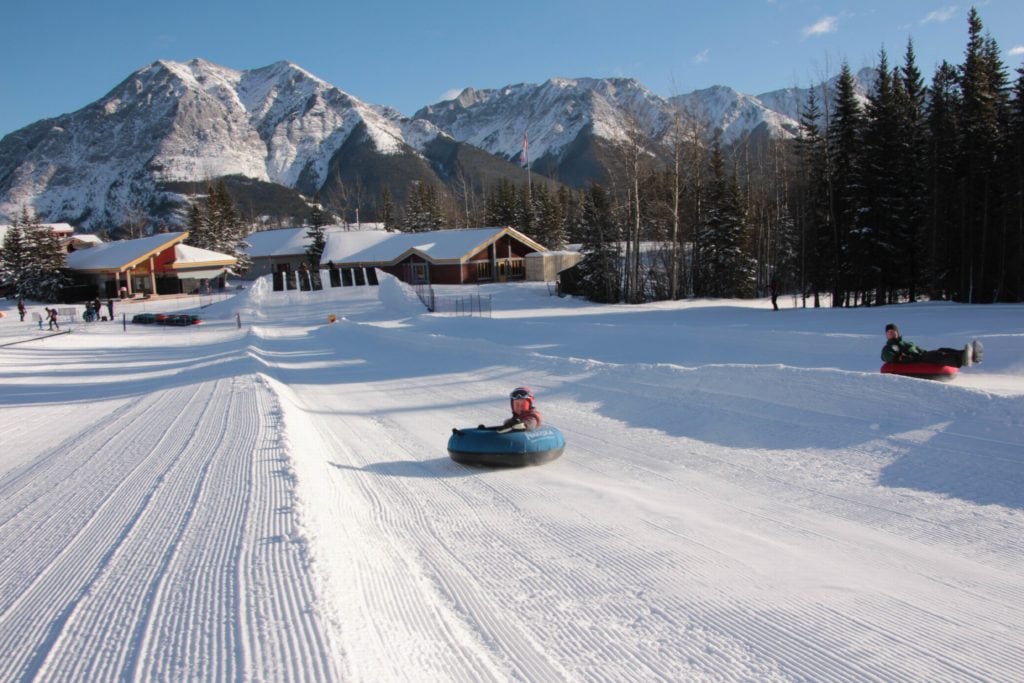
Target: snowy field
{"x":743,"y":496}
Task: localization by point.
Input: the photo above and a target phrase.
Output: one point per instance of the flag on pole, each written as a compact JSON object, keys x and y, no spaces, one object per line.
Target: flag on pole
{"x":524,"y":158}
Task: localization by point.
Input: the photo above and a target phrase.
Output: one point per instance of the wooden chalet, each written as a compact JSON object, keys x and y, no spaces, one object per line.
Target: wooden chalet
{"x":159,"y":264}
{"x":443,"y":257}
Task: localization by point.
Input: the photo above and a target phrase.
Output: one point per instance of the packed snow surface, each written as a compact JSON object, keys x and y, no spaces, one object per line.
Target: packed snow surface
{"x":743,"y":496}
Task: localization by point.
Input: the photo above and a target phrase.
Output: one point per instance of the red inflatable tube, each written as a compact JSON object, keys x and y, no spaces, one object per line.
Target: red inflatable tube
{"x":943,"y":373}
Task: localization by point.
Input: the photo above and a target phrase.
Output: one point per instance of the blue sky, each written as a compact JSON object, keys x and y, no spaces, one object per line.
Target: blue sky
{"x":59,"y":56}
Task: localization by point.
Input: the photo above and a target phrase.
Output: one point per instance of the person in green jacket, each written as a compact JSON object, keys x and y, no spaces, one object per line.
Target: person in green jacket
{"x":899,"y":350}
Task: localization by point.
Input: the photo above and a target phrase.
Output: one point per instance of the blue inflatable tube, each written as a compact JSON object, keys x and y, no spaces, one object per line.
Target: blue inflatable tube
{"x":475,"y":446}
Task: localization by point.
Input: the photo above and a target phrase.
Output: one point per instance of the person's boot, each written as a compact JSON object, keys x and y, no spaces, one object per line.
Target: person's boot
{"x":978,"y":351}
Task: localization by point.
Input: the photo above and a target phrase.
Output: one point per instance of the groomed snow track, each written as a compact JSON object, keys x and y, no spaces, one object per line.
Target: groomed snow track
{"x":278,"y":504}
{"x":157,"y":541}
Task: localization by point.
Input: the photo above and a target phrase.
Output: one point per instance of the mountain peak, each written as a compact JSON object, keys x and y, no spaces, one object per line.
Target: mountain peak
{"x":192,"y":121}
{"x":196,"y":120}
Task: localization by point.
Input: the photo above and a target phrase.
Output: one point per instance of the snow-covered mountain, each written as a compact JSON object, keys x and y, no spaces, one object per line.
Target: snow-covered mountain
{"x":552,"y":115}
{"x":734,"y":113}
{"x":173,"y":121}
{"x":563,"y":117}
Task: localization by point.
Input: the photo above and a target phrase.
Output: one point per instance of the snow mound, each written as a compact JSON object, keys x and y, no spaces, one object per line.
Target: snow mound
{"x":398,"y":296}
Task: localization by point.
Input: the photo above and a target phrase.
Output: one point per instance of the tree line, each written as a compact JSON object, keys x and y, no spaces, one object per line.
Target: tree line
{"x":916,"y":192}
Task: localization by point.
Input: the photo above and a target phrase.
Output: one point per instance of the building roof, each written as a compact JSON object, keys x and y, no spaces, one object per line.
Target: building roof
{"x":85,"y":240}
{"x":62,"y":230}
{"x":125,"y":254}
{"x":122,"y":254}
{"x":295,"y":241}
{"x":438,"y":246}
{"x":280,"y":242}
{"x":341,"y":247}
{"x":186,"y":256}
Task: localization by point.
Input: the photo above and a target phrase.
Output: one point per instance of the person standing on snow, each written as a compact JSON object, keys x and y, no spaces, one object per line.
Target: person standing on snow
{"x":899,"y":350}
{"x":21,"y":309}
{"x":524,"y":415}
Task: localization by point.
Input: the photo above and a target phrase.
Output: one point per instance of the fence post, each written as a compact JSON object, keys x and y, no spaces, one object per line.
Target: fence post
{"x":238,"y":320}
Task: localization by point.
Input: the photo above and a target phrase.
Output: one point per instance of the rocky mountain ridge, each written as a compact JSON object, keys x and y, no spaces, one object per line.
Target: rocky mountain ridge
{"x":173,"y":122}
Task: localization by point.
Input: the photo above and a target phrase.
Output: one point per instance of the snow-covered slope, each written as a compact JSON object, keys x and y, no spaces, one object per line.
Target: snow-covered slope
{"x":743,"y":495}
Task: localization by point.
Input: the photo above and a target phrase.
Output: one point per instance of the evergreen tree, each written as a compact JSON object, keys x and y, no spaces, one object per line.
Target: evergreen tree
{"x":48,"y":273}
{"x":912,"y":141}
{"x":200,"y":230}
{"x":549,"y":220}
{"x":786,"y":256}
{"x":524,"y":211}
{"x":982,"y":86}
{"x":1015,"y":203}
{"x":317,"y":242}
{"x":598,"y":271}
{"x":727,"y":268}
{"x":387,"y":208}
{"x":875,"y":250}
{"x":572,"y":214}
{"x":942,"y":223}
{"x":422,"y":209}
{"x":998,"y":268}
{"x":813,"y":214}
{"x":501,"y":205}
{"x":15,"y":259}
{"x":316,"y":213}
{"x":215,"y":224}
{"x":315,"y":232}
{"x":33,"y":259}
{"x":845,"y":137}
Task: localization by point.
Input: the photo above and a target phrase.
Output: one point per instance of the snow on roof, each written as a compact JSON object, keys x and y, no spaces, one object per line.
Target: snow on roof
{"x":373,"y":246}
{"x":281,"y":242}
{"x":439,"y":245}
{"x":343,"y":246}
{"x":62,"y":229}
{"x":185,"y":255}
{"x":284,"y":241}
{"x":120,"y":254}
{"x":86,"y":239}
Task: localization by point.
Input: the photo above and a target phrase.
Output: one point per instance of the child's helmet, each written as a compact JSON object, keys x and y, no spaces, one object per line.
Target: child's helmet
{"x":521,"y":393}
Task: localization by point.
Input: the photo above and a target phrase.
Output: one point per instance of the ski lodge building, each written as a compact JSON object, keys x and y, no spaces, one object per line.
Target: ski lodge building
{"x":159,"y":264}
{"x":441,"y":257}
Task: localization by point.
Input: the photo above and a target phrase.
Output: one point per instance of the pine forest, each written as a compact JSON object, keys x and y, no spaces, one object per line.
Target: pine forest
{"x":917,"y":192}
